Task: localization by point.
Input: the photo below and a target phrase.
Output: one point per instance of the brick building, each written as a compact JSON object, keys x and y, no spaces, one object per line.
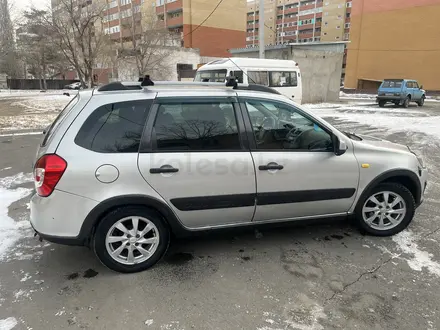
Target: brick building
{"x":394,"y":39}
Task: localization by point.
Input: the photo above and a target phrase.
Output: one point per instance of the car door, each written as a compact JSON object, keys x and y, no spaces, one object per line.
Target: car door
{"x":298,"y":173}
{"x":417,"y":93}
{"x":196,"y":158}
{"x":410,"y":89}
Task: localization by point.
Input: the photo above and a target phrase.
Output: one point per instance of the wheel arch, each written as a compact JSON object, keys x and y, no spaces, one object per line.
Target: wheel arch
{"x":406,"y":178}
{"x":109,"y":205}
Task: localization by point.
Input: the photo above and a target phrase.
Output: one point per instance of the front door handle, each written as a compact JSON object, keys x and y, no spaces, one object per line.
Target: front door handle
{"x":164,"y":169}
{"x":270,"y":167}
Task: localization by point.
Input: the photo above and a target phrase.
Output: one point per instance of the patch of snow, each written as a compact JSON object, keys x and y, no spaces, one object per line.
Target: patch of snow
{"x":418,"y":259}
{"x":26,"y":277}
{"x":21,"y":134}
{"x":270,"y":321}
{"x":356,"y":96}
{"x":61,"y":312}
{"x":5,"y":169}
{"x":149,"y":322}
{"x":429,"y":125}
{"x":8,"y":324}
{"x":10,"y":231}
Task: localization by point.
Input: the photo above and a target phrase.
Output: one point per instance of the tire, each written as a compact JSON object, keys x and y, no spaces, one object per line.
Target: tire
{"x":401,"y":220}
{"x":158,"y":237}
{"x":382,"y":103}
{"x":396,"y":103}
{"x":406,"y":102}
{"x":421,"y":102}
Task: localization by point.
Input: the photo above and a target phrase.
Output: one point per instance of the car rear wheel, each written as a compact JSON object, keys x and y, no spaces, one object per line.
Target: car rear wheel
{"x":382,"y":104}
{"x":406,"y":102}
{"x":386,"y":210}
{"x":131,"y":239}
{"x":421,"y":102}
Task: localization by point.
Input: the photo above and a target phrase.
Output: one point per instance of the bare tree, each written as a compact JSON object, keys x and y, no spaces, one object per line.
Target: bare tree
{"x":8,"y":56}
{"x":78,"y":32}
{"x":145,"y":42}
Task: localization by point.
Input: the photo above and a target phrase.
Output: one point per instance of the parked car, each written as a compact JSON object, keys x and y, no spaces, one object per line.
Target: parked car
{"x":75,"y":85}
{"x":123,"y":168}
{"x":400,"y":92}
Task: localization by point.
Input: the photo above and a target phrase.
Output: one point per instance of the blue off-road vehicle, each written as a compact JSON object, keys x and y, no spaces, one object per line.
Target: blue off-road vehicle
{"x":400,"y":92}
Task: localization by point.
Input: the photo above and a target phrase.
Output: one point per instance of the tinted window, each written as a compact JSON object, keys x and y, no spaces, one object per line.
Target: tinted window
{"x":258,"y":77}
{"x":283,"y":79}
{"x":415,"y":85}
{"x":238,"y":74}
{"x":278,"y":126}
{"x":409,"y":84}
{"x":115,"y":127}
{"x":196,"y":127}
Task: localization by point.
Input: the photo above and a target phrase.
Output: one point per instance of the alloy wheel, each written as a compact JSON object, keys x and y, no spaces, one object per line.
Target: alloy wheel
{"x":384,"y":210}
{"x":132,"y":240}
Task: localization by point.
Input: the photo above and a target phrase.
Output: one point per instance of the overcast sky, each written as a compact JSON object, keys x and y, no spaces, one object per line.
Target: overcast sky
{"x":20,"y":5}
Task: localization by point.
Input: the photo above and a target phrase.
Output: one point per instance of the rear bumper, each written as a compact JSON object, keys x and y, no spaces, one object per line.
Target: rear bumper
{"x":59,"y":217}
{"x":389,"y":98}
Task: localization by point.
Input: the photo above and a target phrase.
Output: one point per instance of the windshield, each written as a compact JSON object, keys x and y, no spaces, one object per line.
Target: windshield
{"x":392,"y":84}
{"x":211,"y":76}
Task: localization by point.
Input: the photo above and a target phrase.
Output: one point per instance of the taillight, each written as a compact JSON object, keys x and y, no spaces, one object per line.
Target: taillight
{"x":48,"y":171}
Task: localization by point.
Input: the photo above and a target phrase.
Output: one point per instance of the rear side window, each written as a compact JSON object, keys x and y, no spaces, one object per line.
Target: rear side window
{"x":210,"y":126}
{"x":115,"y":127}
{"x":258,"y":77}
{"x":63,"y":114}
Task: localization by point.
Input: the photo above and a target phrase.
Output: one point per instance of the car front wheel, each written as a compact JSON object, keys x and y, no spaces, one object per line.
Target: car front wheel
{"x":421,"y":102}
{"x":382,"y":104}
{"x":386,"y":210}
{"x":131,"y":239}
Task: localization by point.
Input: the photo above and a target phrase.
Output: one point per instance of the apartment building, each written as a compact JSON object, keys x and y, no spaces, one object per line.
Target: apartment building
{"x":196,"y":23}
{"x":394,"y":39}
{"x":299,"y":21}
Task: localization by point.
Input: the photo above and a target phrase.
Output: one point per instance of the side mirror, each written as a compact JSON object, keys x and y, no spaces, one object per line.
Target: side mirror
{"x":340,"y":146}
{"x":421,"y":86}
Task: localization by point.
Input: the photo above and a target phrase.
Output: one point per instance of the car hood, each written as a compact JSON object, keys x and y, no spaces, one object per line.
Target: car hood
{"x":380,"y":143}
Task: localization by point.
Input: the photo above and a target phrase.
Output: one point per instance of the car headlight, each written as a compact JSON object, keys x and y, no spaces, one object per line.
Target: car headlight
{"x":419,"y":158}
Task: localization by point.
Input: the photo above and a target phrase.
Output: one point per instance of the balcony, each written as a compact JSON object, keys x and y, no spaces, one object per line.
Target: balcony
{"x":307,"y":7}
{"x":318,"y":24}
{"x":170,"y":7}
{"x":291,"y":11}
{"x":175,"y":21}
{"x":305,"y":27}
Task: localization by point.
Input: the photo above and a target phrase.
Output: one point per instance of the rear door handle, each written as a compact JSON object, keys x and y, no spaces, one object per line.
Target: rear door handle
{"x":270,"y":166}
{"x":164,"y":169}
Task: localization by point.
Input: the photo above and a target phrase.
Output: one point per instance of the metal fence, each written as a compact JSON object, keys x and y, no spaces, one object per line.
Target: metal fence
{"x":35,"y":83}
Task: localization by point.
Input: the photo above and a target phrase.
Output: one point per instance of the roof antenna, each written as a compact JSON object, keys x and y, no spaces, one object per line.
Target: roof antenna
{"x":147,"y":81}
{"x":231,"y":81}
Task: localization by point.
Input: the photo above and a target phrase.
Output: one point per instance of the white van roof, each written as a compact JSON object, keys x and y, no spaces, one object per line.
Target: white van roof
{"x":243,"y":62}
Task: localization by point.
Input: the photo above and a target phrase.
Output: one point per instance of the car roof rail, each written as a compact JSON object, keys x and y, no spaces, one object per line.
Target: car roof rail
{"x":136,"y":85}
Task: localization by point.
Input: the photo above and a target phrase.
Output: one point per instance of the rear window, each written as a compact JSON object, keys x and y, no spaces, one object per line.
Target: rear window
{"x":59,"y":119}
{"x":283,"y":79}
{"x":115,"y":127}
{"x":211,"y":76}
{"x":392,"y":84}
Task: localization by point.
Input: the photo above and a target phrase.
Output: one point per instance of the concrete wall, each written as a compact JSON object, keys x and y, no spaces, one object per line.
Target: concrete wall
{"x":320,"y":64}
{"x":127,"y":70}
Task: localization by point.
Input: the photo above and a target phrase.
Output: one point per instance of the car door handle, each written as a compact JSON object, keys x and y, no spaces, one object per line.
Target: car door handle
{"x":163,"y":170}
{"x":272,"y":166}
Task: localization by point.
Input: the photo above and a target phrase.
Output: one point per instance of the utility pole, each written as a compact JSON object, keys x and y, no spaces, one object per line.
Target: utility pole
{"x":261,"y":29}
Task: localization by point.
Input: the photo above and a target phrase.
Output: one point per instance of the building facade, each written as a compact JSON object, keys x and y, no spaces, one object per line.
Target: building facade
{"x":299,"y":21}
{"x":190,"y":21}
{"x":394,"y":39}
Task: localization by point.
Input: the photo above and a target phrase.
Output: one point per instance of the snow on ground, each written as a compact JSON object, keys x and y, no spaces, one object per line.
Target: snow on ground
{"x":10,"y":230}
{"x":355,"y":96}
{"x":8,"y":324}
{"x":44,"y":103}
{"x":15,"y":93}
{"x":395,"y":120}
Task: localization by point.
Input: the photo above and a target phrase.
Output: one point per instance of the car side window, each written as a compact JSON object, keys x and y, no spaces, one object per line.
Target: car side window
{"x":210,"y":126}
{"x":415,"y":85}
{"x":258,"y":77}
{"x":278,"y":126}
{"x":409,"y":84}
{"x":114,"y":127}
{"x":283,"y":79}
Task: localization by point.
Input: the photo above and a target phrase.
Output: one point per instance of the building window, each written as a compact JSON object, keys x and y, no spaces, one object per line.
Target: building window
{"x":347,"y":25}
{"x":348,"y":4}
{"x":347,"y":15}
{"x":347,"y":36}
{"x":325,"y":33}
{"x":337,"y":38}
{"x":338,"y":27}
{"x":125,"y":2}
